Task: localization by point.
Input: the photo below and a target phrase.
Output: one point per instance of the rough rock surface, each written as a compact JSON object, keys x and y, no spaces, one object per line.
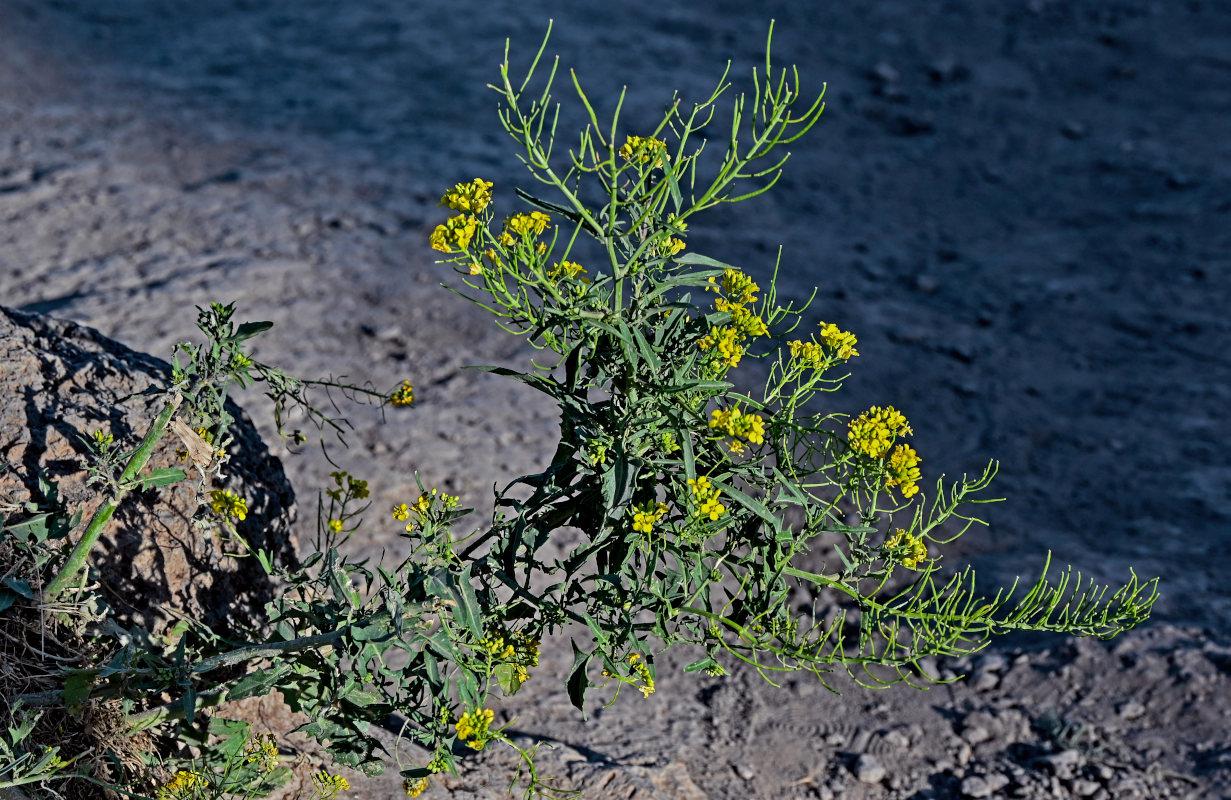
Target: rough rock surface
{"x":60,"y":381}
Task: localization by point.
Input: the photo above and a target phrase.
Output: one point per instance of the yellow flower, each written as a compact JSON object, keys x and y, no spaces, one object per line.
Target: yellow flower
{"x":476,"y":268}
{"x":643,"y":148}
{"x":736,"y":423}
{"x":182,"y":786}
{"x":262,"y":750}
{"x":808,"y":354}
{"x":415,"y":787}
{"x":475,"y":729}
{"x":915,"y":549}
{"x":726,"y":342}
{"x":469,"y":198}
{"x":872,"y":432}
{"x":335,"y":525}
{"x":403,"y":396}
{"x":565,"y":269}
{"x":735,"y":286}
{"x":747,"y":324}
{"x":642,"y":672}
{"x":455,"y":234}
{"x":706,"y":496}
{"x":328,"y":786}
{"x":670,"y":246}
{"x":224,"y":502}
{"x":401,"y":512}
{"x":646,"y":514}
{"x":841,"y":342}
{"x":531,"y":224}
{"x":904,"y":470}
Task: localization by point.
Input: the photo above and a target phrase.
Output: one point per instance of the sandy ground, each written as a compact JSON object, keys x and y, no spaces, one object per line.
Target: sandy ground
{"x":1023,"y":209}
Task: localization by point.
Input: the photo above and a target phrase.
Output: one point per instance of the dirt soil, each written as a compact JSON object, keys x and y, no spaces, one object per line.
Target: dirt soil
{"x":1022,"y":208}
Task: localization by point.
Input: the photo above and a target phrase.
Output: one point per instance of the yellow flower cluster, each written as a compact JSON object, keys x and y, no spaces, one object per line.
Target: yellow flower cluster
{"x":642,"y":671}
{"x":469,"y":198}
{"x":915,"y":549}
{"x":738,"y":425}
{"x":475,"y":729}
{"x":455,"y":234}
{"x":642,"y":149}
{"x":531,"y":224}
{"x":335,"y":525}
{"x":670,"y":246}
{"x":904,"y":470}
{"x":735,"y":291}
{"x":706,"y":496}
{"x":646,"y":514}
{"x":841,"y":342}
{"x":519,"y":650}
{"x":566,"y":269}
{"x":403,"y":396}
{"x":414,"y":787}
{"x":226,"y":503}
{"x":328,"y":786}
{"x":422,"y":507}
{"x":808,"y":354}
{"x":262,"y":750}
{"x":737,"y":287}
{"x":183,"y":785}
{"x":872,"y":432}
{"x":812,"y":355}
{"x":726,"y":342}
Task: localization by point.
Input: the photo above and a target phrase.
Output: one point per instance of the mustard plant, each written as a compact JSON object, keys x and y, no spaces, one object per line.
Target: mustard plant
{"x":703,"y":510}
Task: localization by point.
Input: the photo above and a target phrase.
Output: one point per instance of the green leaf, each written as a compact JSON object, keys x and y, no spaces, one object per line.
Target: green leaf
{"x":705,"y":261}
{"x":7,"y":599}
{"x":465,"y":604}
{"x":77,"y":688}
{"x":578,"y":680}
{"x":747,"y":502}
{"x":247,"y":330}
{"x":647,"y":352}
{"x":507,"y":676}
{"x":190,"y":704}
{"x":362,"y":697}
{"x":702,"y":664}
{"x":163,"y":477}
{"x":20,"y":586}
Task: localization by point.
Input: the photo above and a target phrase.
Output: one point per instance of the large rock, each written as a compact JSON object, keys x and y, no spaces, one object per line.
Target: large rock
{"x":60,"y":381}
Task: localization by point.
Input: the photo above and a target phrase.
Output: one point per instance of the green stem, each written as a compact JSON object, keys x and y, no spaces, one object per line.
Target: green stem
{"x":76,"y":560}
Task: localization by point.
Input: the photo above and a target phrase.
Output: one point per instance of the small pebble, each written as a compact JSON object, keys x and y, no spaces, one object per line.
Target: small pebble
{"x":975,"y":786}
{"x":975,"y":734}
{"x":1084,"y":788}
{"x":1131,"y":710}
{"x":869,"y":770}
{"x":986,"y":681}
